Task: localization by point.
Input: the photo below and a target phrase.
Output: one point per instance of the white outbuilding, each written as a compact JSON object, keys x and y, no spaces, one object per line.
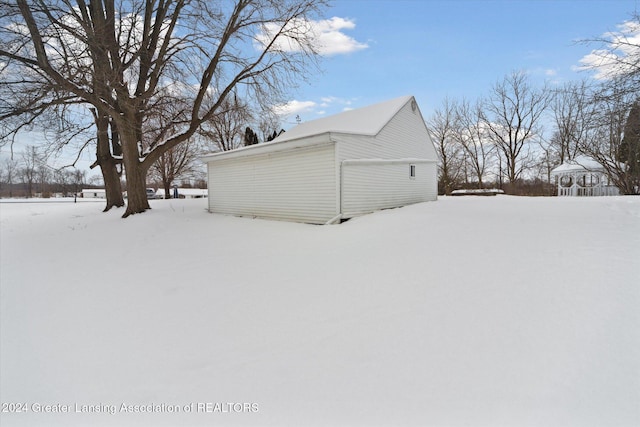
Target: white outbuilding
{"x":93,"y":193}
{"x":330,"y":169}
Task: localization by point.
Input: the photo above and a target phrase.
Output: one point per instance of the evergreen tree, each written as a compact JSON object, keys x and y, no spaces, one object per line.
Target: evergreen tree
{"x":250,"y":137}
{"x":629,"y":149}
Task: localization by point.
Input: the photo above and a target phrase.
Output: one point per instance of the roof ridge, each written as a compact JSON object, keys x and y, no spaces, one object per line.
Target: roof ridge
{"x":367,"y":120}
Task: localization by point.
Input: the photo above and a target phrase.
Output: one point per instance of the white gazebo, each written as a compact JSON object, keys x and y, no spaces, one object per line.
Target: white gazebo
{"x":583,"y":176}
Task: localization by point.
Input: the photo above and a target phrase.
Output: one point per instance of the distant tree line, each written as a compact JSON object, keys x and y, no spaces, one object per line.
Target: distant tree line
{"x":500,"y":139}
{"x":28,"y":175}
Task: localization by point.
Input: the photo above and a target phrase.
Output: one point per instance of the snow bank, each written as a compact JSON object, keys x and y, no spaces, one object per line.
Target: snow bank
{"x":478,"y":192}
{"x":466,"y":311}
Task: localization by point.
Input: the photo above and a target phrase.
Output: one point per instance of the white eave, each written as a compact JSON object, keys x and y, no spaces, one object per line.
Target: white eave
{"x":271,"y":147}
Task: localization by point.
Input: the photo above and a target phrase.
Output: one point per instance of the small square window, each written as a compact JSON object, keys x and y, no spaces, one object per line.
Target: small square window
{"x":412,"y":171}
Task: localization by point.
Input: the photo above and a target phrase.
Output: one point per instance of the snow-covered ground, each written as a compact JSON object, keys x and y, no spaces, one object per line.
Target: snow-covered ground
{"x":468,"y":311}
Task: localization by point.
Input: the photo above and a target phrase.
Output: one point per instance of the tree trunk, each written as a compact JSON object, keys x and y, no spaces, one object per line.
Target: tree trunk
{"x":131,"y":145}
{"x":136,"y":189}
{"x":167,"y":189}
{"x":512,"y":168}
{"x":110,"y":176}
{"x":112,"y":186}
{"x":166,"y":175}
{"x":135,"y":172}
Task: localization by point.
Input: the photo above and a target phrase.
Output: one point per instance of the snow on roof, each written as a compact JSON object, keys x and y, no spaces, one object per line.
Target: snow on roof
{"x":580,"y":163}
{"x":362,"y":121}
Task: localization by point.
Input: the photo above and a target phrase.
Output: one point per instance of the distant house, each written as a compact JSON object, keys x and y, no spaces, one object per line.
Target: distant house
{"x":583,"y":176}
{"x":333,"y":168}
{"x":93,"y":193}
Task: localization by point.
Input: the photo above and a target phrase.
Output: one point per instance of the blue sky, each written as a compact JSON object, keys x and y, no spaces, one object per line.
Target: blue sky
{"x":434,"y":49}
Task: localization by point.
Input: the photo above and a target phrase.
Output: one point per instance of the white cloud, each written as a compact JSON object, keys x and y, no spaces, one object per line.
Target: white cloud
{"x":326,"y":36}
{"x":621,"y":55}
{"x":293,"y":107}
{"x":332,"y":41}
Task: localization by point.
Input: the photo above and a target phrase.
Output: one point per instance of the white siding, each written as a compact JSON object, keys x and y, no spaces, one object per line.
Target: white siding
{"x":295,"y":185}
{"x":371,"y":185}
{"x":97,"y":193}
{"x":405,"y":136}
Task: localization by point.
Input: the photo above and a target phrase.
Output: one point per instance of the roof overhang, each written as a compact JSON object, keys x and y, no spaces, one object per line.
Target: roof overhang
{"x":271,"y":147}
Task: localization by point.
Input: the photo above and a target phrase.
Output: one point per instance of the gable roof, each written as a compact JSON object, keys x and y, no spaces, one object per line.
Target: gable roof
{"x":363,"y":121}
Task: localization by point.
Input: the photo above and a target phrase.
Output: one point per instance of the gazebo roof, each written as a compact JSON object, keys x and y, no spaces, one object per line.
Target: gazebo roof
{"x":579,"y":163}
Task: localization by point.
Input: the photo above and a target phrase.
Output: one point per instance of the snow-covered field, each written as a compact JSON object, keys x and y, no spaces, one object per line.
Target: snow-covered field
{"x":470,"y":311}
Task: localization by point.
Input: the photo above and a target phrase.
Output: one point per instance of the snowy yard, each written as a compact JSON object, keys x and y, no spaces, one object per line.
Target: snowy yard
{"x":473,"y":311}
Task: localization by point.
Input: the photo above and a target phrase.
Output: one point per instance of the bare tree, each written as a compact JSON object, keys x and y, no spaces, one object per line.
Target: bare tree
{"x":269,"y":124}
{"x":442,"y":126}
{"x":571,"y":107}
{"x":546,"y":160}
{"x":226,"y":129}
{"x":512,"y":115}
{"x":176,"y":163}
{"x":31,"y":101}
{"x":124,"y":53}
{"x":28,"y":172}
{"x":613,"y":140}
{"x":10,"y":171}
{"x":613,"y":114}
{"x":43,"y":175}
{"x":617,"y":56}
{"x":63,"y":179}
{"x":79,"y":178}
{"x":474,"y":137}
